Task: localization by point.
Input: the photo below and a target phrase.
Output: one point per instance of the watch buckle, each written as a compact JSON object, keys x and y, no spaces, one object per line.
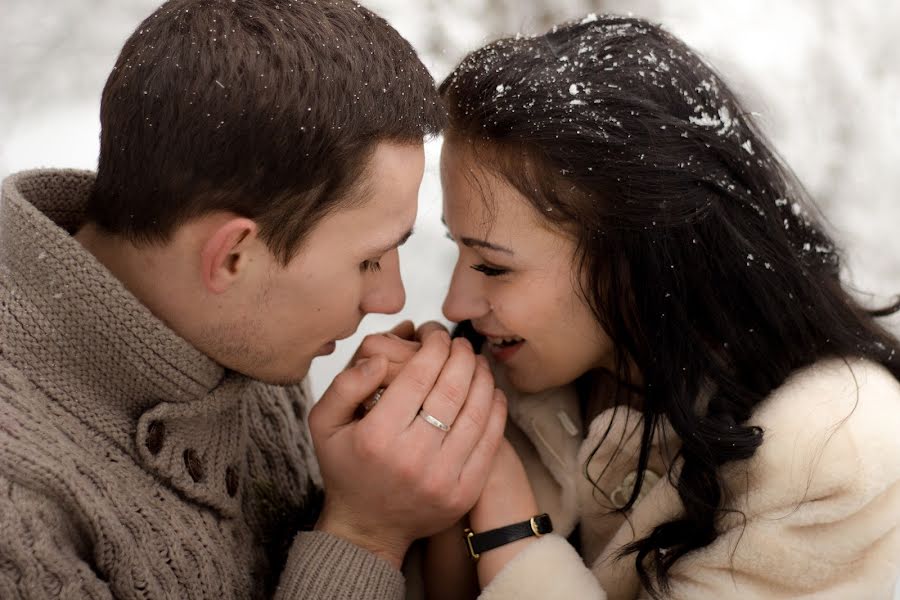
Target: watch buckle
{"x":469,"y":535}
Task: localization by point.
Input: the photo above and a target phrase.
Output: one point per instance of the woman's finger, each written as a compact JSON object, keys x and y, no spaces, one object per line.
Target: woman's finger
{"x":427,"y":328}
{"x":405,"y":330}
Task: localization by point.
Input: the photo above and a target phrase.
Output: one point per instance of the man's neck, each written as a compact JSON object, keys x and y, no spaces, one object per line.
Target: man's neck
{"x":114,"y":253}
{"x":138,"y":268}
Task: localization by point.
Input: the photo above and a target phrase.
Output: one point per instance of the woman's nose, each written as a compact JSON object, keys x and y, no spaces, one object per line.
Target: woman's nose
{"x":465,"y":298}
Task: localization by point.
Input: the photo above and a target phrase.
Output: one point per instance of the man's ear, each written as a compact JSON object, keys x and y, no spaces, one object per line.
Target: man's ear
{"x":226,"y":253}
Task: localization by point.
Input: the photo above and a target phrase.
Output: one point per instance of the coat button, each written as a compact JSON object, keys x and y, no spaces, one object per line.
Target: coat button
{"x":193,"y":464}
{"x":156,"y":431}
{"x":231,"y":481}
{"x":621,"y":494}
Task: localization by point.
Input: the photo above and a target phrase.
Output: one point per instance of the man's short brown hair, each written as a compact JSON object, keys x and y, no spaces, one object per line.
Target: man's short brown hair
{"x":266,"y":108}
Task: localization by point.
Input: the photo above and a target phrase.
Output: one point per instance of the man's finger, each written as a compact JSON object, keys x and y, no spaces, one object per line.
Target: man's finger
{"x":350,"y":388}
{"x":401,"y":401}
{"x":393,"y":348}
{"x":451,"y":390}
{"x":476,"y":469}
{"x":473,"y":419}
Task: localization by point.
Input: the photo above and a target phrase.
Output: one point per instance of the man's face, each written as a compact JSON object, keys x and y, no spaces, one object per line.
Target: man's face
{"x":348,"y":266}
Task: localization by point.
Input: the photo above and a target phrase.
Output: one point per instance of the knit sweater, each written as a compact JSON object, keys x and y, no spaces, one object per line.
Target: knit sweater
{"x":132,"y":465}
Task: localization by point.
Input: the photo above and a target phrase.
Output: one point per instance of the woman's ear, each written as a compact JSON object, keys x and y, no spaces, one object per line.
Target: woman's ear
{"x":226,"y":253}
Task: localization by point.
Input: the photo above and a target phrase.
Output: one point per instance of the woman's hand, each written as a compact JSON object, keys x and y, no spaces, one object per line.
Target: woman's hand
{"x":397,"y":345}
{"x":507,"y":498}
{"x":448,"y":571}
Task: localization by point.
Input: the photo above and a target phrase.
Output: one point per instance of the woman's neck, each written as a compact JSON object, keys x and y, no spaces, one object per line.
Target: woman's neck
{"x":601,"y":392}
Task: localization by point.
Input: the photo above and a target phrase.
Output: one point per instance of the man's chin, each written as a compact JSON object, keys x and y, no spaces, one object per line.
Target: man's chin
{"x":277,"y":376}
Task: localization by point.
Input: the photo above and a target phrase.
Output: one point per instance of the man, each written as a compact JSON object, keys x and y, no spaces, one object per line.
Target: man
{"x":259,"y":166}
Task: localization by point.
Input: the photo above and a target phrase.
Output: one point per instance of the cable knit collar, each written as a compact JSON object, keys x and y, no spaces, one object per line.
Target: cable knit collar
{"x":89,"y":344}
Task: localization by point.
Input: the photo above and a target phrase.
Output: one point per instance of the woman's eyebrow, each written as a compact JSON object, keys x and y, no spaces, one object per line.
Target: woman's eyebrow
{"x":477,"y":243}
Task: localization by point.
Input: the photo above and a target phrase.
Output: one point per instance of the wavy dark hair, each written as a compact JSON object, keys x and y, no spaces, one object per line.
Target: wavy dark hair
{"x":705,"y":261}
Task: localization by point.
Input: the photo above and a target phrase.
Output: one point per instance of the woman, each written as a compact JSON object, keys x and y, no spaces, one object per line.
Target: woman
{"x":697,"y":402}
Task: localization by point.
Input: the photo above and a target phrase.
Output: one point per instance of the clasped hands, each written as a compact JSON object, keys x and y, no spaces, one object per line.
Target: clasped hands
{"x":392,"y":477}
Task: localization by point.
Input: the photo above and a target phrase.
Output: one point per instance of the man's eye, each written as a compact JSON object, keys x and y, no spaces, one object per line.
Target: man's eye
{"x":490,"y":271}
{"x":370,"y":266}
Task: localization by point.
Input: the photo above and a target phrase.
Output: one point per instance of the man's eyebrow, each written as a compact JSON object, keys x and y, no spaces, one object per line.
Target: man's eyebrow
{"x":476,"y":243}
{"x":402,"y":240}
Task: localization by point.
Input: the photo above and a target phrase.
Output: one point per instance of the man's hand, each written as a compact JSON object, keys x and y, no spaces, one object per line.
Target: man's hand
{"x":391,"y":477}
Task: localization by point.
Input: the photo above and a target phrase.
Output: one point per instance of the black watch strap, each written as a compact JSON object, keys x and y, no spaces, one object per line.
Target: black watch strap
{"x":488,"y":540}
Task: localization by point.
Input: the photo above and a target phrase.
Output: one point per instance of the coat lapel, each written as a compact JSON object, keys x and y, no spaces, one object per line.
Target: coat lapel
{"x":547,"y":431}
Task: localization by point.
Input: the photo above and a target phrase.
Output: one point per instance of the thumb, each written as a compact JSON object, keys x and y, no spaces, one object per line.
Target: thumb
{"x":349,"y":389}
{"x":428,"y":328}
{"x":405,"y":330}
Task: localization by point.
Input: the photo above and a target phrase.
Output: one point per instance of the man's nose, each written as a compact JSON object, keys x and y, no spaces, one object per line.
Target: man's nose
{"x":387,"y":294}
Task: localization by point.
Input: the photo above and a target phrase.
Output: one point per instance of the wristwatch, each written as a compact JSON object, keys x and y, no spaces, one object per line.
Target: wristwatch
{"x":479,"y":543}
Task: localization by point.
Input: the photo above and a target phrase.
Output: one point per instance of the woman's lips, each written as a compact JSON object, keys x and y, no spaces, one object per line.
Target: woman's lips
{"x":505,"y":352}
{"x":503,"y":347}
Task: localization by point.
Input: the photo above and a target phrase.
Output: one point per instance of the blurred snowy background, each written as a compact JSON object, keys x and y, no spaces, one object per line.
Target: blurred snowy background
{"x":824,"y":75}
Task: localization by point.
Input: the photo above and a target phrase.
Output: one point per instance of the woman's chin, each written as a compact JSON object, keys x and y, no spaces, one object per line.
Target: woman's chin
{"x":526,"y":382}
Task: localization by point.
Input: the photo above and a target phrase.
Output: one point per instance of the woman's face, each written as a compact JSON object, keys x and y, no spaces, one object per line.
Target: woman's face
{"x":514,"y":280}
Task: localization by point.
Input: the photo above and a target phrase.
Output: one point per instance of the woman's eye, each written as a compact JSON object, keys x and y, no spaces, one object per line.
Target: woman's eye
{"x":370,"y":266}
{"x":490,"y":271}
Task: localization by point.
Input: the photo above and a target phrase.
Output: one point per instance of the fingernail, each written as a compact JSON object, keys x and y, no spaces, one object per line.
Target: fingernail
{"x":364,"y":365}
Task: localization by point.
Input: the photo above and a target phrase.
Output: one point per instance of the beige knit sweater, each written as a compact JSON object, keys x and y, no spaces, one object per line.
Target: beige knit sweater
{"x":131,"y":465}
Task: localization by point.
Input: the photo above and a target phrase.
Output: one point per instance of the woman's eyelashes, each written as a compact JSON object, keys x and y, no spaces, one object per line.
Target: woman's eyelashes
{"x":487,"y":270}
{"x":370,"y":266}
{"x":490,"y":271}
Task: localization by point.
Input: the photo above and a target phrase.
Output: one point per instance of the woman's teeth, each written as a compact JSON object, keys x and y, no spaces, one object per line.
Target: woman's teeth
{"x":505,"y":341}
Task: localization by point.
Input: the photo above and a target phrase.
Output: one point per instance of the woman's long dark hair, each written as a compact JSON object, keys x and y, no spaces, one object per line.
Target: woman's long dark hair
{"x":704,"y":260}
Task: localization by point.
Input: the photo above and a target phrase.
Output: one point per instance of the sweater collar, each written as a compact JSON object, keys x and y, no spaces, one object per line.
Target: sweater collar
{"x":90,"y":345}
